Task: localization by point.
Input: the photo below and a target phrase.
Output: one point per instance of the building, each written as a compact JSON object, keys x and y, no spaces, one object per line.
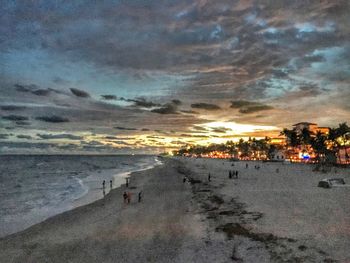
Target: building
{"x":343,"y":156}
{"x":278,"y":141}
{"x":278,"y":155}
{"x":312,"y":127}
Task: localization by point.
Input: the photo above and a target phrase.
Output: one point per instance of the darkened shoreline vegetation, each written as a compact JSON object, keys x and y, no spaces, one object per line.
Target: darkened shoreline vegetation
{"x":330,"y":146}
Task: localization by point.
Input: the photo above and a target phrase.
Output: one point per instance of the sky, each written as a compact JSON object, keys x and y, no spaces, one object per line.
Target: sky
{"x":148,"y":76}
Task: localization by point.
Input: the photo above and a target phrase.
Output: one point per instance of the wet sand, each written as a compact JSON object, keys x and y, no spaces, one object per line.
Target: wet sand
{"x":197,"y":221}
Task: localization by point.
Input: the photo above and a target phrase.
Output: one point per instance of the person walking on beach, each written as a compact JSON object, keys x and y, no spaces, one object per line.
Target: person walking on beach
{"x":111,"y":184}
{"x":127,"y":182}
{"x":209,"y":177}
{"x":104,"y":184}
{"x":184,"y":179}
{"x":140,"y":196}
{"x":125,"y":196}
{"x":246,"y":165}
{"x":230,"y":174}
{"x":129,"y":197}
{"x":237,"y":174}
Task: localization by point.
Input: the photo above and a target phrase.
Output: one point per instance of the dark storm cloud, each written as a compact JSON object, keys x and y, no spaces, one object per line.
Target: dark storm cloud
{"x":253,"y":109}
{"x":141,"y":102}
{"x":23,"y":123}
{"x":80,"y":93}
{"x":247,"y":107}
{"x":41,"y":92}
{"x":59,"y":136}
{"x":11,"y":108}
{"x":237,"y":104}
{"x":21,"y":136}
{"x":34,"y":89}
{"x":169,"y":108}
{"x":52,"y":119}
{"x":205,"y":106}
{"x":15,"y":118}
{"x":25,"y":88}
{"x":109,"y":97}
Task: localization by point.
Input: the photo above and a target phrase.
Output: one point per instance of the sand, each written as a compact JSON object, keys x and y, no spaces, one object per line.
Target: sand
{"x":259,"y":217}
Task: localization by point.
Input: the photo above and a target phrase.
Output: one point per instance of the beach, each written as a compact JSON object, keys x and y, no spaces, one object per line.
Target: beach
{"x":263,"y":216}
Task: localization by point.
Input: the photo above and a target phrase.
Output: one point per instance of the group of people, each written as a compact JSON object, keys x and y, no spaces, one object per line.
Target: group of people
{"x":233,"y":174}
{"x":257,"y":167}
{"x":127,"y":197}
{"x":104,"y":184}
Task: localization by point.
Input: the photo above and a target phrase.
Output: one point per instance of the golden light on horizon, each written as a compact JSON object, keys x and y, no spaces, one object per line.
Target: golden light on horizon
{"x":238,"y":128}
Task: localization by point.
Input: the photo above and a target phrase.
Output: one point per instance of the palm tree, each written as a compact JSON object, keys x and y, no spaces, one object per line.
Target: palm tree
{"x":342,"y":132}
{"x":293,"y":139}
{"x":319,"y":145}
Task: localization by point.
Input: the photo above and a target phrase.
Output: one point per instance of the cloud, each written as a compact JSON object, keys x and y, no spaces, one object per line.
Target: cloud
{"x":23,"y":123}
{"x":80,"y":93}
{"x":247,"y":107}
{"x":176,"y":102}
{"x":189,"y":112}
{"x":205,"y":106}
{"x":41,"y":92}
{"x":236,"y":104}
{"x":141,"y":102}
{"x":166,"y":109}
{"x":109,"y":97}
{"x":15,"y":118}
{"x":194,"y":135}
{"x":21,"y":136}
{"x":253,"y":109}
{"x":220,"y":130}
{"x":125,"y":128}
{"x":52,"y":119}
{"x":59,"y":136}
{"x":4,"y":136}
{"x":25,"y":88}
{"x":11,"y":107}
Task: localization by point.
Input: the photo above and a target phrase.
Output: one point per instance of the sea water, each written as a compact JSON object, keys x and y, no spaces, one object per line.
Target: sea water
{"x":36,"y":187}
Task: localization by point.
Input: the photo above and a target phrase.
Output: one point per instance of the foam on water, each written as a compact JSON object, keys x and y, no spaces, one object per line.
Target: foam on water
{"x":33,"y":188}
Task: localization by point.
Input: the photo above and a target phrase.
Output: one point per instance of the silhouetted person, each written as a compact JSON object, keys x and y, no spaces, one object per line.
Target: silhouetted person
{"x":104,"y":192}
{"x":184,"y":180}
{"x":104,"y":184}
{"x":127,"y":182}
{"x":237,"y":174}
{"x":209,"y":177}
{"x":246,"y":165}
{"x":129,"y":197}
{"x":111,"y":183}
{"x":125,"y":196}
{"x":140,"y":196}
{"x":230,"y":174}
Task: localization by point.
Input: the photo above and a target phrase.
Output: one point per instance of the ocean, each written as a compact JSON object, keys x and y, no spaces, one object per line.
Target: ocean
{"x":36,"y":187}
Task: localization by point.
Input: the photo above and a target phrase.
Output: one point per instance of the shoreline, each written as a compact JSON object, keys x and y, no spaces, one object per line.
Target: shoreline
{"x":199,"y":221}
{"x":92,"y":192}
